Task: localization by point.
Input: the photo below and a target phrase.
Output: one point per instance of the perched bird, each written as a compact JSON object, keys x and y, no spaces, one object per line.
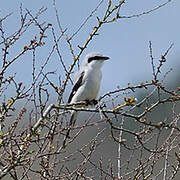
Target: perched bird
{"x":87,"y":83}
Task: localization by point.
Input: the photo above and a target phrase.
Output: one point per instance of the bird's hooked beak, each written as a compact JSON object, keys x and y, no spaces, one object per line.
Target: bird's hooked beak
{"x":105,"y":58}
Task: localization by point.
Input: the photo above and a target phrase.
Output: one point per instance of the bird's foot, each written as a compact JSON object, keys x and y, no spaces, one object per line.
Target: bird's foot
{"x":91,"y":102}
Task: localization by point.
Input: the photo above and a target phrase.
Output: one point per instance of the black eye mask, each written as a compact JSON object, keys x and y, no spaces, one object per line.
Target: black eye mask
{"x":97,"y":58}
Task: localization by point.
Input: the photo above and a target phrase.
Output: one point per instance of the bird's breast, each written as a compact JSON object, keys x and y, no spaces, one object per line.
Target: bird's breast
{"x":92,"y":84}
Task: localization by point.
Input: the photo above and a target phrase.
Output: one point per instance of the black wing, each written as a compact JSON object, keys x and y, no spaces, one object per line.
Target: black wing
{"x":76,"y":87}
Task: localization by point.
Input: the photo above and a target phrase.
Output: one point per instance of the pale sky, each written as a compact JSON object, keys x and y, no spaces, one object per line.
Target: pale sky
{"x":126,"y":41}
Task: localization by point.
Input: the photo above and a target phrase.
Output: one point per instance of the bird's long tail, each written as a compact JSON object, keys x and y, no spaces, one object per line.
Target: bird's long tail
{"x":72,"y":122}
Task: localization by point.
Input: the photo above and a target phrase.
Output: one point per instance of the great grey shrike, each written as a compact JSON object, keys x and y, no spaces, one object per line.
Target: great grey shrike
{"x":87,"y":82}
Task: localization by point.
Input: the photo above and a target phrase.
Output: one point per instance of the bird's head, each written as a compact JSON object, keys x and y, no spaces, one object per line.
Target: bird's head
{"x":94,"y":60}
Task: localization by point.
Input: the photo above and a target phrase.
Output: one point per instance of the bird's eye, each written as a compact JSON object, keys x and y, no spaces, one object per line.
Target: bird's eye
{"x":90,"y":59}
